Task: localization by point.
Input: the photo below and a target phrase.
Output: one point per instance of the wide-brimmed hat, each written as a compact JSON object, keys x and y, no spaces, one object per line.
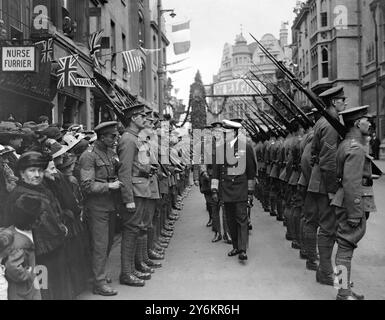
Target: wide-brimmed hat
{"x":32,"y":159}
{"x":68,"y":160}
{"x":53,"y":133}
{"x":56,"y":149}
{"x":4,"y":150}
{"x":10,"y":130}
{"x":71,"y":141}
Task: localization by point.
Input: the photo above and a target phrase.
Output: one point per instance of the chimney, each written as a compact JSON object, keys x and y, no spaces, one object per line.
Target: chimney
{"x":284,"y":34}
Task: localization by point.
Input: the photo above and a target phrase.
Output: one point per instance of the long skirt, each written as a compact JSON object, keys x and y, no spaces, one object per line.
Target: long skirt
{"x":58,"y":285}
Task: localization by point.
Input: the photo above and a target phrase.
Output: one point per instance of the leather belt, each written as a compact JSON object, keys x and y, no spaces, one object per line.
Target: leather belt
{"x":366,"y":182}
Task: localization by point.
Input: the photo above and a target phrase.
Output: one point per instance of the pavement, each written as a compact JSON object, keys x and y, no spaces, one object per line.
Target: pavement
{"x":196,"y":269}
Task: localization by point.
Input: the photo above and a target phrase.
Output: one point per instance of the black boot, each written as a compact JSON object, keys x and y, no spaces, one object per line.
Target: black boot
{"x":217,"y":237}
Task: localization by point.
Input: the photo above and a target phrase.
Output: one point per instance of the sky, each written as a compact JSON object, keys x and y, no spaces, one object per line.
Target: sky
{"x":215,"y":22}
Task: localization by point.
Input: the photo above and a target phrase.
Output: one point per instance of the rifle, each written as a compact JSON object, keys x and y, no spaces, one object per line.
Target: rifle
{"x":267,"y":117}
{"x":314,"y":99}
{"x":271,"y":119}
{"x":253,"y":86}
{"x":261,"y":130}
{"x":304,"y":120}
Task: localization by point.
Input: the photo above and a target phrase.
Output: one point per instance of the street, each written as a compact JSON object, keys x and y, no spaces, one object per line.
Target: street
{"x":194,"y":268}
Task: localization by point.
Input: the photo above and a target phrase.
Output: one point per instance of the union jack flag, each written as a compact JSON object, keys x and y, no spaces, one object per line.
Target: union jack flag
{"x":47,"y":50}
{"x":67,"y":71}
{"x":95,"y":46}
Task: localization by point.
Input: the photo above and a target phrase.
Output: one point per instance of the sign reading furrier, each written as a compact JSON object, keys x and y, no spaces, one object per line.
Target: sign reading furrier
{"x":18,"y":58}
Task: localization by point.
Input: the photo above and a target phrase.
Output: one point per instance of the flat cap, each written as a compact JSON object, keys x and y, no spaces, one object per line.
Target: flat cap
{"x":333,"y":93}
{"x":353,"y":114}
{"x":106,"y":127}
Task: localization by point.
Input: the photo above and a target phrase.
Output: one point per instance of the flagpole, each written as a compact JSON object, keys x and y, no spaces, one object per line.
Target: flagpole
{"x":160,"y":59}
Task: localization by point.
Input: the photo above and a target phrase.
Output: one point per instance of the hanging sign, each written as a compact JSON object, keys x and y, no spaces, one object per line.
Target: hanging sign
{"x":20,"y":59}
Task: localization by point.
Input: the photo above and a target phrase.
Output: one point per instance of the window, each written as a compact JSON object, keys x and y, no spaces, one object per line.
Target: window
{"x":1,"y":9}
{"x":314,"y":64}
{"x":313,"y":18}
{"x":370,"y":53}
{"x":113,"y":45}
{"x":154,"y":46}
{"x":142,"y":81}
{"x":124,"y":48}
{"x":325,"y":62}
{"x":324,"y":14}
{"x":15,"y":14}
{"x":155,"y":89}
{"x":300,"y":39}
{"x":324,"y":19}
{"x":307,"y":63}
{"x":141,"y":29}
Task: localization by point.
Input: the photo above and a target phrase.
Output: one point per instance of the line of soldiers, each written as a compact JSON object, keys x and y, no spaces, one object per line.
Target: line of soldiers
{"x":320,"y":187}
{"x":132,"y":185}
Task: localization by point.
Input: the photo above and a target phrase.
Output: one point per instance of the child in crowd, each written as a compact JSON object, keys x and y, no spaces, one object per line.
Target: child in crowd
{"x":6,"y":241}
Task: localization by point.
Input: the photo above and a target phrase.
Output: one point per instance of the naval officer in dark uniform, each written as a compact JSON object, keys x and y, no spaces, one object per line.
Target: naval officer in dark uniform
{"x":235,"y":182}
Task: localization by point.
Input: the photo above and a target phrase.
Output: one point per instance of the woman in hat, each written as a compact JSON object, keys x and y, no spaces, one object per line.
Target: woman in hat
{"x":7,"y":180}
{"x":34,"y":210}
{"x":75,"y":245}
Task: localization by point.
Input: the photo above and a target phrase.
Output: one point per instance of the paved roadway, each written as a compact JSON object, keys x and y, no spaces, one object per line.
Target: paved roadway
{"x":194,"y":268}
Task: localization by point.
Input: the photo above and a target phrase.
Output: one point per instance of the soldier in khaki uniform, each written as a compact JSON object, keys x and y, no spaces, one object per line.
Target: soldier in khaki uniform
{"x":354,"y":199}
{"x":134,"y":173}
{"x":322,"y":183}
{"x":100,"y":185}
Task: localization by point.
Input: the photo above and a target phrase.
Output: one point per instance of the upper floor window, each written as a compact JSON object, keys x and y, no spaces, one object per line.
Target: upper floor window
{"x":324,"y":14}
{"x":113,"y":45}
{"x":141,"y":29}
{"x":325,"y":62}
{"x":370,"y":52}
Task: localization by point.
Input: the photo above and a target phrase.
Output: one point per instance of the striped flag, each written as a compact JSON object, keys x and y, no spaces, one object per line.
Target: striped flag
{"x":133,"y":60}
{"x":181,"y":37}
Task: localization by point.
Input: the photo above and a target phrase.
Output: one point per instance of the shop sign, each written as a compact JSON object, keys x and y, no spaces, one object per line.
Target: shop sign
{"x":236,"y":86}
{"x":18,"y":59}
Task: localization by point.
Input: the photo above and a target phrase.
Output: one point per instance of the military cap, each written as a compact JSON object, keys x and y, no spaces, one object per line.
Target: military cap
{"x":228,"y":124}
{"x":217,"y":124}
{"x":353,"y":114}
{"x":139,"y":108}
{"x":333,"y":93}
{"x":238,"y":120}
{"x":106,"y":127}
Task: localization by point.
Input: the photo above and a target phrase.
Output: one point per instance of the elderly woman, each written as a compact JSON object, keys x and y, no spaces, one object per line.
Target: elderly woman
{"x":34,"y":210}
{"x":62,"y":184}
